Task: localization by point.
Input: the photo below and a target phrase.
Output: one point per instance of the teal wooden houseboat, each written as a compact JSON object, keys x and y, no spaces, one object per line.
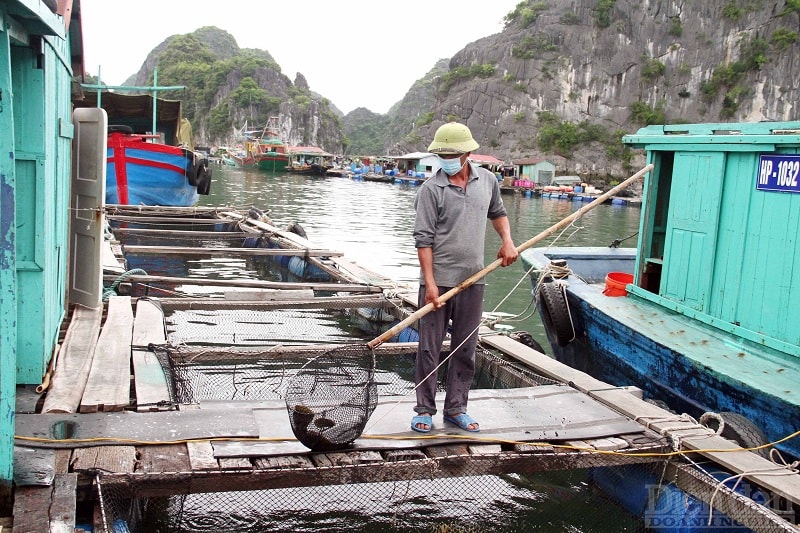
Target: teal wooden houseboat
{"x":709,"y":318}
{"x":40,"y":52}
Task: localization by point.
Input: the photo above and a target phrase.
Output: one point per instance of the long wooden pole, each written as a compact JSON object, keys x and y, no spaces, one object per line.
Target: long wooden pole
{"x":422,"y":311}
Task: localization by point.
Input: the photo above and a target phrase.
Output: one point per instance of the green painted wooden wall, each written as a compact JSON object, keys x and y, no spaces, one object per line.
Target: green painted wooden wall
{"x":8,"y":264}
{"x":731,"y":252}
{"x":35,"y":167}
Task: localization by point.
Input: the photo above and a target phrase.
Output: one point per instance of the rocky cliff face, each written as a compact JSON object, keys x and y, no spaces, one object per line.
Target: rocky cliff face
{"x":618,"y":65}
{"x":303,"y":117}
{"x":564,"y":80}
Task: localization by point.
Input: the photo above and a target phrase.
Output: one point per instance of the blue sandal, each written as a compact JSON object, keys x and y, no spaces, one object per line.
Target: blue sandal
{"x":463,"y":421}
{"x":422,"y":419}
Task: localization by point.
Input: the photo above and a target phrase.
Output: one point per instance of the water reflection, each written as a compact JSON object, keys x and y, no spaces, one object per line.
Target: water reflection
{"x":371,"y":223}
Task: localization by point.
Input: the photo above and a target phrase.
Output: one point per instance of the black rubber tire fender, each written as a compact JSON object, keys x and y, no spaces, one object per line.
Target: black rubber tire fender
{"x":743,"y":432}
{"x":527,"y":339}
{"x":555,"y":312}
{"x":203,"y":178}
{"x":191,"y":176}
{"x":120,"y":128}
{"x":297,"y":229}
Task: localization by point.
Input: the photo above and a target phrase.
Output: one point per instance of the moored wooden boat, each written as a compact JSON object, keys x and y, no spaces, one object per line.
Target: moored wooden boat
{"x":263,"y":149}
{"x":145,"y":168}
{"x":704,"y":321}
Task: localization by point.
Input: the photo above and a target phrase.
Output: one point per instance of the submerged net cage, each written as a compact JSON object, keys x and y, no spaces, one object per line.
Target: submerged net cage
{"x":425,"y":493}
{"x":331,"y":398}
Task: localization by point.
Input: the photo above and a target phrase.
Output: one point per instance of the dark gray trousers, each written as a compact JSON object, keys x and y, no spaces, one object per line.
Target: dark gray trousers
{"x":464,"y":309}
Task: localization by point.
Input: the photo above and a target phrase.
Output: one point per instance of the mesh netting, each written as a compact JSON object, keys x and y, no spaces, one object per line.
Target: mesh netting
{"x":542,"y":493}
{"x":331,"y":398}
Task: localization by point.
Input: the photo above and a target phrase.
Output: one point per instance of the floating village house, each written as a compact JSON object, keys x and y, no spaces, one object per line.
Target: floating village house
{"x":40,"y":52}
{"x":427,"y":163}
{"x":538,"y":171}
{"x":422,"y":162}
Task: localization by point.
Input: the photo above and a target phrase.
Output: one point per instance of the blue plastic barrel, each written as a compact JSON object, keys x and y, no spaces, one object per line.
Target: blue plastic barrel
{"x":408,"y":335}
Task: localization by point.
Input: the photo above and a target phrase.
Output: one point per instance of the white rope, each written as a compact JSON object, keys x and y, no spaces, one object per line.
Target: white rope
{"x":778,"y":470}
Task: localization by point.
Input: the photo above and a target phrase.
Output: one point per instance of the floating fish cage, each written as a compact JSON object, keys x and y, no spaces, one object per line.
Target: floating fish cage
{"x":251,"y":354}
{"x":474,"y":486}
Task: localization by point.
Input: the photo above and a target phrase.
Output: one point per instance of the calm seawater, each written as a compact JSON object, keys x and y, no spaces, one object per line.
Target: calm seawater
{"x":371,"y":223}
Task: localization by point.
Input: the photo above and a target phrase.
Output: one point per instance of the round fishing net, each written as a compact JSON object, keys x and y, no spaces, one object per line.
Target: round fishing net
{"x":331,"y":398}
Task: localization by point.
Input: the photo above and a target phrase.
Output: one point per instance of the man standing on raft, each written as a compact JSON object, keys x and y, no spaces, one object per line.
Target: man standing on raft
{"x":449,"y":232}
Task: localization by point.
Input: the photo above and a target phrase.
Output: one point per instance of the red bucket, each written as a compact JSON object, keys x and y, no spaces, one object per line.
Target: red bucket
{"x":616,"y":282}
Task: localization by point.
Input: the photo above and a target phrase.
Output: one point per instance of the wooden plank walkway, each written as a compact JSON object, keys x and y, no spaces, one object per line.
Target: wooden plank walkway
{"x":752,"y":466}
{"x":75,"y":361}
{"x":108,"y":386}
{"x":152,"y":391}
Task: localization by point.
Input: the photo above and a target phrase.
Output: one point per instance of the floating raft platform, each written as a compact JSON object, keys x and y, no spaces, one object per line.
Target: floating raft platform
{"x":131,"y":409}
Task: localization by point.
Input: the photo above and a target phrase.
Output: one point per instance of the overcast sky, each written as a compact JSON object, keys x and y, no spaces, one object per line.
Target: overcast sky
{"x":356,"y":53}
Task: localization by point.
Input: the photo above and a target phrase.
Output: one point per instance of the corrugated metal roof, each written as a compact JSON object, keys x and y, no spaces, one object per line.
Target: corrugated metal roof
{"x":313,"y":150}
{"x":484,"y":159}
{"x":414,"y":155}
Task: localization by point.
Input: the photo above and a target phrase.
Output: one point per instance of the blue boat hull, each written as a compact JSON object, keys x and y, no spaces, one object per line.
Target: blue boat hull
{"x":143,"y":173}
{"x":692,"y":367}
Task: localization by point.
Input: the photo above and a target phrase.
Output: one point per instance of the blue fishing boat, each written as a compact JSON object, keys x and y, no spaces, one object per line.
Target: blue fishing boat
{"x":703,"y":313}
{"x":146,"y":168}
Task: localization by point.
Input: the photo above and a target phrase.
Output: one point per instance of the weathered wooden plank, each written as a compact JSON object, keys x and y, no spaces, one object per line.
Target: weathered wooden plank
{"x":28,"y":505}
{"x":361,"y":273}
{"x":149,"y":379}
{"x":62,"y":460}
{"x":167,"y":210}
{"x":708,"y":445}
{"x":453,"y":450}
{"x":609,"y":444}
{"x":657,"y":418}
{"x":533,"y":448}
{"x":229,"y":251}
{"x":404,"y":455}
{"x":161,"y":458}
{"x":108,"y":386}
{"x":431,"y":468}
{"x":235,"y":463}
{"x":182,"y":354}
{"x":287,"y":236}
{"x":283,"y":462}
{"x":167,"y":220}
{"x":201,"y":455}
{"x":233,"y":235}
{"x":120,"y":459}
{"x":251,"y":283}
{"x":27,"y":398}
{"x":347,"y":458}
{"x":265,"y":295}
{"x":320,"y":302}
{"x":62,"y":508}
{"x":541,"y":363}
{"x":108,"y":261}
{"x":34,"y":466}
{"x":74,"y":361}
{"x":483,"y":449}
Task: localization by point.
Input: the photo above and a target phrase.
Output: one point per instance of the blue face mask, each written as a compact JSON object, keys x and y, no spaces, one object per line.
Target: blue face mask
{"x":451,"y":166}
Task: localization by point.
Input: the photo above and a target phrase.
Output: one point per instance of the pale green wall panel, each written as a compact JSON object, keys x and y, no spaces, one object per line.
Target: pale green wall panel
{"x":8,"y":267}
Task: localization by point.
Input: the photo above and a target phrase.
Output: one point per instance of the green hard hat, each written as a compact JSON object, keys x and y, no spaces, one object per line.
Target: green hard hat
{"x":452,"y":138}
